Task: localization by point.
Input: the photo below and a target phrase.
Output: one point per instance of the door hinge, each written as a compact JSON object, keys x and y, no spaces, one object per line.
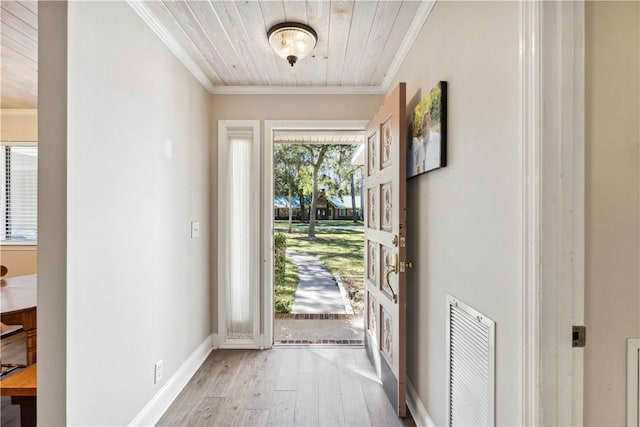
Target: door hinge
{"x":579,"y":336}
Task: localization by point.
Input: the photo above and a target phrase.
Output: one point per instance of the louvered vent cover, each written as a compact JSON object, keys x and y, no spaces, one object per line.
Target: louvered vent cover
{"x":471,"y":358}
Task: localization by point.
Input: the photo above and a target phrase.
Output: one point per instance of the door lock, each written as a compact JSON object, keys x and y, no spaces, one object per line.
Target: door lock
{"x":405,"y":265}
{"x":393,"y":268}
{"x":578,"y":336}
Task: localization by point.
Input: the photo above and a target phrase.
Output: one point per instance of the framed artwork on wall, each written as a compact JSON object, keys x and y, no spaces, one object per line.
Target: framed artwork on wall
{"x":427,"y":149}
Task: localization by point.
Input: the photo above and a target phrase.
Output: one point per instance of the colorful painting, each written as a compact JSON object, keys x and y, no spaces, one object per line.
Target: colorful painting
{"x":427,"y":149}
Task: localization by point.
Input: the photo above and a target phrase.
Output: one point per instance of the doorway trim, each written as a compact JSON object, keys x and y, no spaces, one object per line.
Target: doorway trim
{"x":553,"y":210}
{"x":267,"y":206}
{"x":227,"y":130}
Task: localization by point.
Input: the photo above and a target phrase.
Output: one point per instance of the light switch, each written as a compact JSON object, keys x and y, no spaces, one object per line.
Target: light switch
{"x":195,"y":229}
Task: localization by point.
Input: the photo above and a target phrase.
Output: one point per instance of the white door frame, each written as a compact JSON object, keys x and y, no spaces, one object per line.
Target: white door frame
{"x":225,"y":128}
{"x":552,"y":82}
{"x":267,"y":204}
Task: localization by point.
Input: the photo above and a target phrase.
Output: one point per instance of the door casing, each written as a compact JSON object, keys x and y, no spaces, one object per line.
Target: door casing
{"x":225,"y":128}
{"x":267,"y":205}
{"x":553,"y":211}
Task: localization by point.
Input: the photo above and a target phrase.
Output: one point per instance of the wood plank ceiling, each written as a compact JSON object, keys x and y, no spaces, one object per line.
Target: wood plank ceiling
{"x":318,"y":137}
{"x":19,"y":54}
{"x":226,"y":41}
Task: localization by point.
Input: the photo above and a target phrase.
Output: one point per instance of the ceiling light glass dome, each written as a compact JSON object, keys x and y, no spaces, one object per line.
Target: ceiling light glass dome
{"x":292,"y":41}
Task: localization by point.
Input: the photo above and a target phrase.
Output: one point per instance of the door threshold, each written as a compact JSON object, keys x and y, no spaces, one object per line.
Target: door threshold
{"x":323,"y":343}
{"x":316,"y":316}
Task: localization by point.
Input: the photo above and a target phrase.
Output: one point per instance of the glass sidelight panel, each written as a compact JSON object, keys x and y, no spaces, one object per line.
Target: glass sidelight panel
{"x":239,"y":216}
{"x":238,"y":234}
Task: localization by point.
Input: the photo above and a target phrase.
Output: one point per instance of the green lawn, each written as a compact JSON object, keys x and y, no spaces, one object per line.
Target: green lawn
{"x":342,"y":251}
{"x":286,"y":289}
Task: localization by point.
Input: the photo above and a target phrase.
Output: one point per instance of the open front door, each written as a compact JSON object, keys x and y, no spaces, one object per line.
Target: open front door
{"x":385,"y":248}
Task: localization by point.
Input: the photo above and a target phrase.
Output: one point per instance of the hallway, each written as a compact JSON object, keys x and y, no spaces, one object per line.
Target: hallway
{"x":309,"y":386}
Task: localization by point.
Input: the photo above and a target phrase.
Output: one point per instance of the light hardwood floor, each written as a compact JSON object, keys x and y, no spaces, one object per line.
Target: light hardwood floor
{"x":312,"y":386}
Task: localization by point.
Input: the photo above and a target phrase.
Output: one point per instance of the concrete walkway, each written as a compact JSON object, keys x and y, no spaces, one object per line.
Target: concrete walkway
{"x":348,"y":329}
{"x":317,"y":290}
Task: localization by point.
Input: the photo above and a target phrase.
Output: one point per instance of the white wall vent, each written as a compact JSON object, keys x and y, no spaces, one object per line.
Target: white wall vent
{"x":471,"y":365}
{"x":633,"y":382}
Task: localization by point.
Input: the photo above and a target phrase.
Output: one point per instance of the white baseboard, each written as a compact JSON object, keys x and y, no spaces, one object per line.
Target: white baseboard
{"x":156,"y":407}
{"x":417,"y":409}
{"x":633,"y":382}
{"x":214,"y":341}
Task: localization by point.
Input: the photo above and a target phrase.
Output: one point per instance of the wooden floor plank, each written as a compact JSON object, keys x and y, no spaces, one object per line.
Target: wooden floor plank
{"x":255,"y":417}
{"x":286,"y":379}
{"x":206,"y":411}
{"x":306,"y":409}
{"x":330,"y":411}
{"x":187,"y":401}
{"x":230,"y":364}
{"x":353,"y":405}
{"x":262,"y":381}
{"x":231,"y":414}
{"x":242,"y":364}
{"x":308,"y":361}
{"x":379,"y":407}
{"x":282,"y":408}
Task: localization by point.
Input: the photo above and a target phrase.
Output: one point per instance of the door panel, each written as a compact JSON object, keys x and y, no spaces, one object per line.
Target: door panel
{"x":385,"y":245}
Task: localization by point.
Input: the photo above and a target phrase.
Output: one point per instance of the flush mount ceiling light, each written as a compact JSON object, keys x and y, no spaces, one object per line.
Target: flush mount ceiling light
{"x":292,"y":41}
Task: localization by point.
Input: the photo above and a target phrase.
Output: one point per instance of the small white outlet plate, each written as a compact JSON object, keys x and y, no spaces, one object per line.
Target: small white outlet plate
{"x":158,"y":372}
{"x":195,"y":229}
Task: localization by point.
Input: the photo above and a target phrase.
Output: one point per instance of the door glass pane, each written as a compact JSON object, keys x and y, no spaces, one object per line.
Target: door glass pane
{"x":238,"y":281}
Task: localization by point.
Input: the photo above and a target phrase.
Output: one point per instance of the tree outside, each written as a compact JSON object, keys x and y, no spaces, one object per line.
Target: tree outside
{"x":306,"y":171}
{"x":305,"y":174}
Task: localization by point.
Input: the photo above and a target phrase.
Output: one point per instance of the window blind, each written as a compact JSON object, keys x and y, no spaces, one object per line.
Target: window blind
{"x":19,"y":204}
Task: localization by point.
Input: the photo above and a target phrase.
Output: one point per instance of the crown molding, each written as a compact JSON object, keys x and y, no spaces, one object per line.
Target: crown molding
{"x":422,"y":14}
{"x":298,"y":90}
{"x":19,"y":112}
{"x":148,"y":17}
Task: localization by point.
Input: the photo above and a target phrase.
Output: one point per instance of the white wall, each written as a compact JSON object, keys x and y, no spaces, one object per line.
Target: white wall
{"x":464,"y":221}
{"x":612,"y":309}
{"x":137,"y":287}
